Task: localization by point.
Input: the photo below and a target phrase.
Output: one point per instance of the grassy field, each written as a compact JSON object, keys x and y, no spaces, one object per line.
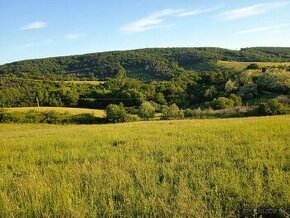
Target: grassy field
{"x":239,"y":66}
{"x":198,"y":168}
{"x":97,"y":113}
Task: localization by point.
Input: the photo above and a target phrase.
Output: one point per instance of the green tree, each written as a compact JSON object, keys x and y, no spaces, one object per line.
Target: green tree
{"x":223,"y":103}
{"x":230,"y":86}
{"x":146,"y":111}
{"x":236,"y":99}
{"x":116,"y":113}
{"x":272,"y":107}
{"x":171,"y":112}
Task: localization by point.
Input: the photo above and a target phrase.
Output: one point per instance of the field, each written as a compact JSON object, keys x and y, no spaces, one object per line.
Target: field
{"x":198,"y":168}
{"x":239,"y":66}
{"x":74,"y":111}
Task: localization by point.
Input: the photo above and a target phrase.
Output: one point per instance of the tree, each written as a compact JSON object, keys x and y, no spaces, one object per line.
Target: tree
{"x":223,"y":103}
{"x":230,"y":86}
{"x":210,"y":93}
{"x":272,"y":107}
{"x":121,"y":72}
{"x":172,"y":112}
{"x":248,"y":91}
{"x":146,"y":111}
{"x":116,"y":113}
{"x":236,"y":99}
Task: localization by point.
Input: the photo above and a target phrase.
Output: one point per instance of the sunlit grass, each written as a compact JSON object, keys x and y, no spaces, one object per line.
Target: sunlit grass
{"x":74,"y":111}
{"x":239,"y":66}
{"x":197,"y":168}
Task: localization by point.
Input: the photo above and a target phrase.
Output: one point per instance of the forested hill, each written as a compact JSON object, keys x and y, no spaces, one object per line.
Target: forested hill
{"x":145,"y":64}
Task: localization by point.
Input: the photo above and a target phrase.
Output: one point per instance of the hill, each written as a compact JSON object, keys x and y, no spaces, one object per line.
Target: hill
{"x":200,"y":168}
{"x":145,"y":64}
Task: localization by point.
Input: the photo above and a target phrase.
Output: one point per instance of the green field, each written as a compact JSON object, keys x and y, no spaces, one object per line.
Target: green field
{"x":74,"y":111}
{"x":198,"y":168}
{"x":239,"y":66}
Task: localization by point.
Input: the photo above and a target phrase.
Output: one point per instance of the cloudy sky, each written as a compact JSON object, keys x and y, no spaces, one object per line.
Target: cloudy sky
{"x":43,"y":28}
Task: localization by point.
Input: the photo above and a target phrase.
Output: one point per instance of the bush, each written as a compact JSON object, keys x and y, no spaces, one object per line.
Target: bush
{"x":146,"y":111}
{"x":236,"y":99}
{"x":253,"y":67}
{"x":197,"y":113}
{"x":223,"y":103}
{"x":272,"y":107}
{"x":116,"y":113}
{"x":86,"y":119}
{"x":172,"y":112}
{"x":131,"y":118}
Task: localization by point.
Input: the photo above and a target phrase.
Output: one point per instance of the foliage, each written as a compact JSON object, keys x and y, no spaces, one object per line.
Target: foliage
{"x":275,"y":80}
{"x":161,"y":63}
{"x":172,"y":112}
{"x":236,"y":99}
{"x":116,"y":113}
{"x":223,"y":103}
{"x":49,"y":117}
{"x":253,"y":66}
{"x":146,"y":111}
{"x":272,"y":107}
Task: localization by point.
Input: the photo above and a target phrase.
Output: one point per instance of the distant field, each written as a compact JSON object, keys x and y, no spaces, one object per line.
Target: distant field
{"x":198,"y":168}
{"x":98,"y":113}
{"x":238,"y":66}
{"x":90,"y":82}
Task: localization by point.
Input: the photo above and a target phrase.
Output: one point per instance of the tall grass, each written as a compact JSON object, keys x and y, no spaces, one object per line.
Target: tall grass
{"x":198,"y":168}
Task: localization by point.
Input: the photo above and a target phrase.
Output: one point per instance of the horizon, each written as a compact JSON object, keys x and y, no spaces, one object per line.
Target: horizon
{"x":36,"y":30}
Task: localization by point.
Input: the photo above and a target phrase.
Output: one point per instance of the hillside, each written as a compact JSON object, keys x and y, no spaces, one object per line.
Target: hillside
{"x":145,"y":64}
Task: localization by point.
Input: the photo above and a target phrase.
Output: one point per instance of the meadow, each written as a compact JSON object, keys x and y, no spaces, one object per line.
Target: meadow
{"x":239,"y":66}
{"x":196,"y":168}
{"x":73,"y":111}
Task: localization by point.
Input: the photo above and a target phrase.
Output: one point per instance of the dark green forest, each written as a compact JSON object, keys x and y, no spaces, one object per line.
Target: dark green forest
{"x":187,"y":78}
{"x":144,"y":64}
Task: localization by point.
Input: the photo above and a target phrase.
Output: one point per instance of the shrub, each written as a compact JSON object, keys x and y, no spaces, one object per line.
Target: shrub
{"x":223,"y":103}
{"x":146,"y":111}
{"x":197,"y":113}
{"x":236,"y":99}
{"x":131,"y":118}
{"x":86,"y":119}
{"x":272,"y":107}
{"x":172,"y":112}
{"x":116,"y":113}
{"x":253,"y":66}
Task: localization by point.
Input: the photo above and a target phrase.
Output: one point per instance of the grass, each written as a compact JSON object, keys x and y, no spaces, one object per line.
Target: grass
{"x":239,"y":66}
{"x":74,"y":111}
{"x":198,"y":168}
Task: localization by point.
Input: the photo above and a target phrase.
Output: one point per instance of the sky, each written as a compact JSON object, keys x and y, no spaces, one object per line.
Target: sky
{"x":45,"y":28}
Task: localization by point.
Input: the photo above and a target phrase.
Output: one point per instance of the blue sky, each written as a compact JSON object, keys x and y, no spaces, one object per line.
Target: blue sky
{"x":43,"y":28}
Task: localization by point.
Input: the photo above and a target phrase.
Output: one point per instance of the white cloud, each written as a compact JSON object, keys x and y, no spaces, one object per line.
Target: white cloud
{"x":34,"y":25}
{"x":149,"y":22}
{"x":266,"y":28}
{"x":74,"y":36}
{"x":252,"y":10}
{"x":157,"y":19}
{"x":197,"y":12}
